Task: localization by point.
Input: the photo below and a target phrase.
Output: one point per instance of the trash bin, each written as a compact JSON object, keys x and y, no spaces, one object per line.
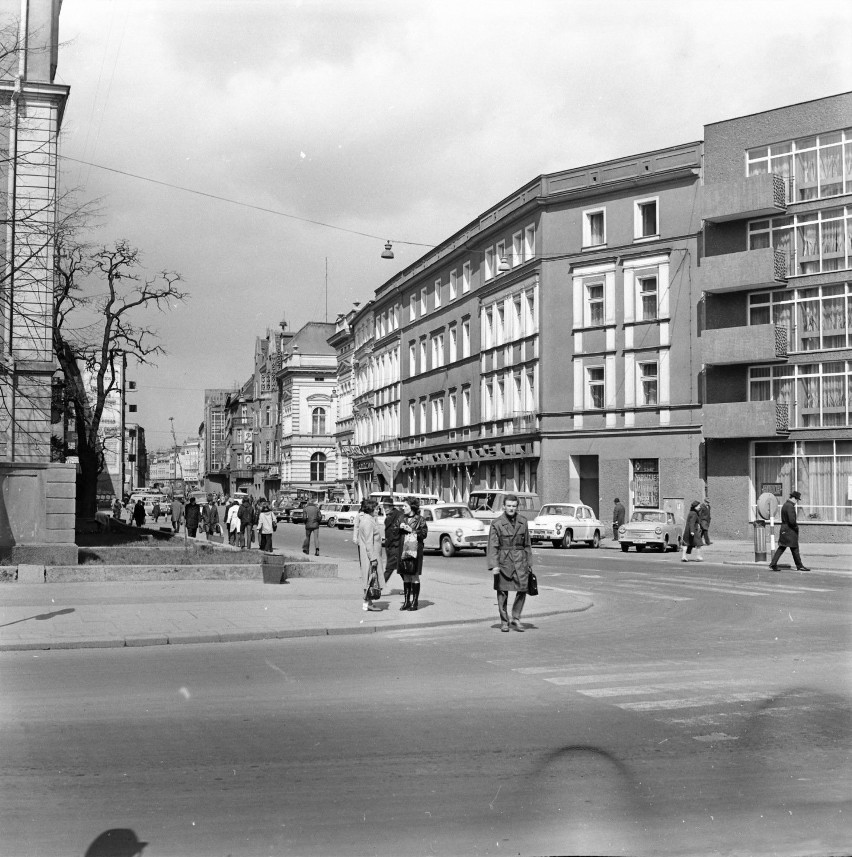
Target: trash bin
{"x":759,"y":540}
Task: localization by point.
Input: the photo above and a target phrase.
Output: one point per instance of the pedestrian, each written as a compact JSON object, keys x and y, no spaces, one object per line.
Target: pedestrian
{"x":355,"y":521}
{"x":692,"y":534}
{"x":370,"y":551}
{"x":413,"y":531}
{"x":704,"y":521}
{"x":156,"y":511}
{"x":192,"y":515}
{"x":177,"y":513}
{"x":139,"y":513}
{"x":618,"y":514}
{"x":788,"y":537}
{"x":393,"y":537}
{"x":232,"y":521}
{"x":266,"y":526}
{"x":509,"y":557}
{"x":116,"y":509}
{"x":210,"y":517}
{"x":246,"y":516}
{"x":312,"y":525}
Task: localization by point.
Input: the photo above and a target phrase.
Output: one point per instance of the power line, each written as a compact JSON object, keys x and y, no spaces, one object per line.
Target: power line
{"x":244,"y":204}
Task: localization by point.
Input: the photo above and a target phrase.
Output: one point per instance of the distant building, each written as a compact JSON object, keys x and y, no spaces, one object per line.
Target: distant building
{"x":343,"y":341}
{"x":215,"y":440}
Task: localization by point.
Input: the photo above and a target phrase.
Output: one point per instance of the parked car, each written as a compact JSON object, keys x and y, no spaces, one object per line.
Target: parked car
{"x":452,"y":527}
{"x":564,"y":523}
{"x":148,"y":501}
{"x":655,"y":527}
{"x":487,"y":504}
{"x":346,"y":515}
{"x":297,"y":515}
{"x":329,"y":513}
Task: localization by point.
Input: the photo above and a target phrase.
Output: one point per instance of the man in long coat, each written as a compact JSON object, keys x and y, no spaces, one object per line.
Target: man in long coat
{"x":313,"y":519}
{"x":510,"y":557}
{"x":393,"y":537}
{"x":618,"y":513}
{"x":789,"y":534}
{"x":177,"y":513}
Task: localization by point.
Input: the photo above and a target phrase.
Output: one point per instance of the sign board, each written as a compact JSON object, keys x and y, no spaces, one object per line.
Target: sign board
{"x":365,"y":466}
{"x":775,"y":488}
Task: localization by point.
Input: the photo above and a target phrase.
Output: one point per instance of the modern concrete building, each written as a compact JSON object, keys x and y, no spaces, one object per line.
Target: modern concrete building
{"x":37,"y":496}
{"x":776,"y":337}
{"x":214,"y":440}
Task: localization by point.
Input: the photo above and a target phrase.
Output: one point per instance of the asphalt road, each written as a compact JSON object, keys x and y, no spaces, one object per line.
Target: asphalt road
{"x":695,"y":709}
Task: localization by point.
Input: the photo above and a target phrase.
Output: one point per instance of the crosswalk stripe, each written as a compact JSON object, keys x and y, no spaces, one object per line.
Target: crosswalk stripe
{"x":603,"y":679}
{"x":663,"y":687}
{"x":690,"y":585}
{"x":763,"y":586}
{"x":694,"y":701}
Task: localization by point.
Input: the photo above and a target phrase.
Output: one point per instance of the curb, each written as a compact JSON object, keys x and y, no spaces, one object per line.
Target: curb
{"x":254,"y":636}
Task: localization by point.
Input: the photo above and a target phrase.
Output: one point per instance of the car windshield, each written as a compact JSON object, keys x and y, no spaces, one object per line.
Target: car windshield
{"x":649,"y":517}
{"x":452,"y":512}
{"x":481,"y":502}
{"x":557,"y":509}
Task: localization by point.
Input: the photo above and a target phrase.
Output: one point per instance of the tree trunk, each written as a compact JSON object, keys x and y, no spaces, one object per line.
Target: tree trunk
{"x":87,"y":482}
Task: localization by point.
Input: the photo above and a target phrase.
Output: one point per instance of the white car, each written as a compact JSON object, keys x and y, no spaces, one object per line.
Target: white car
{"x":657,"y":528}
{"x":564,"y":523}
{"x":452,"y":527}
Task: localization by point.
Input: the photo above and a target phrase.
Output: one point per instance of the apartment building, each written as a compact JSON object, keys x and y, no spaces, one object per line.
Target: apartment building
{"x":776,"y":341}
{"x":343,"y":342}
{"x":214,"y":439}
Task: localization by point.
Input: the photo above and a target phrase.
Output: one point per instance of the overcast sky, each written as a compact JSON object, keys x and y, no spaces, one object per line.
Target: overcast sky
{"x":402,"y":120}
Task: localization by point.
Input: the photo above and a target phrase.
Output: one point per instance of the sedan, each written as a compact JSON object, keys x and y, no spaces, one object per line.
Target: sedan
{"x":564,"y":523}
{"x":452,"y":528}
{"x":655,"y":527}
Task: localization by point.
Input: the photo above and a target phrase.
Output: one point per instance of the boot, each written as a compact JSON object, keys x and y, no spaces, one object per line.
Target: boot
{"x":407,"y":590}
{"x":683,"y":555}
{"x":416,"y":593}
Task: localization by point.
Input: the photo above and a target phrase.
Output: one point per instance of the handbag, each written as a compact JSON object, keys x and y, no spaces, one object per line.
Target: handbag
{"x":409,"y":545}
{"x":532,"y":583}
{"x":374,"y":591}
{"x":496,"y":581}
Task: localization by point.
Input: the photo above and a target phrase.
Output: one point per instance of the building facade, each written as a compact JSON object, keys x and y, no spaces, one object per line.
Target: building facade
{"x":214,"y":440}
{"x":343,"y":342}
{"x":776,"y":341}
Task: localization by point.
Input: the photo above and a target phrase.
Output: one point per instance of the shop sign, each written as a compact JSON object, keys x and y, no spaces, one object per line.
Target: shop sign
{"x":352,"y":450}
{"x":364,"y":466}
{"x":273,"y":470}
{"x":775,"y":488}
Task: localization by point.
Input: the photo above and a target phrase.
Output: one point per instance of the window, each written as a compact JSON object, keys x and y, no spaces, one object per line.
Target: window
{"x":646,"y":392}
{"x":412,"y":358}
{"x":466,"y":277}
{"x":500,"y":255}
{"x":318,"y":421}
{"x":489,"y":263}
{"x":594,"y":304}
{"x":437,"y":350}
{"x":437,"y":414}
{"x":454,"y":284}
{"x":594,"y":228}
{"x":453,"y":406}
{"x":466,"y":337}
{"x":454,"y":344}
{"x":646,"y":483}
{"x":412,"y":418}
{"x":647,"y":297}
{"x":412,"y":307}
{"x":529,"y":243}
{"x":595,"y":382}
{"x":517,"y":249}
{"x":423,"y":416}
{"x":465,"y":418}
{"x":423,"y":306}
{"x":437,"y":293}
{"x":488,"y":327}
{"x":645,"y":222}
{"x":500,"y":324}
{"x":423,"y":364}
{"x":488,"y":399}
{"x":318,"y":467}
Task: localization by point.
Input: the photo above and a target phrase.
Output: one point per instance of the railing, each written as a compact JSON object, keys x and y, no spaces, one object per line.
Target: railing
{"x":781,"y":344}
{"x":779,"y":191}
{"x":782,"y":418}
{"x":783,"y":265}
{"x":524,"y":421}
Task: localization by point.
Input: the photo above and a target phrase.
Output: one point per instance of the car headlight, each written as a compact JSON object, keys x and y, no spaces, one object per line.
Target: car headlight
{"x":659,"y":531}
{"x":459,"y":534}
{"x":622,"y":529}
{"x":558,"y":528}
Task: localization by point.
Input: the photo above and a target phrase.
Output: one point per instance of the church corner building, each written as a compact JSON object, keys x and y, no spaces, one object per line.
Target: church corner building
{"x":776,"y":324}
{"x":37,"y":496}
{"x":585,"y":337}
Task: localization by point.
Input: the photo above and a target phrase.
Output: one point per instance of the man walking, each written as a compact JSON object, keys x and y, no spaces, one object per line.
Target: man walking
{"x":509,"y":557}
{"x":618,"y":514}
{"x":704,"y":521}
{"x":312,"y":525}
{"x":193,"y":517}
{"x":789,"y":535}
{"x":177,"y":514}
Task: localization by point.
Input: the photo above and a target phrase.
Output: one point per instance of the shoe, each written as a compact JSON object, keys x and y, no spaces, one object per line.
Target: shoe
{"x":802,"y":568}
{"x":684,"y":559}
{"x":365,"y":606}
{"x":303,"y":550}
{"x":773,"y":568}
{"x":517,"y":626}
{"x":505,"y":628}
{"x":316,"y":553}
{"x":373,"y":609}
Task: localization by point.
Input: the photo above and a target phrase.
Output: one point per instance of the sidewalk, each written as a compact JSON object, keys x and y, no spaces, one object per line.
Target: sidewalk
{"x":816,"y":556}
{"x":106,"y":615}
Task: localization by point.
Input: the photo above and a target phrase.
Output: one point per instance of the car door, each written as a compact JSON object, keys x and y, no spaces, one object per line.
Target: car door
{"x":431,"y":536}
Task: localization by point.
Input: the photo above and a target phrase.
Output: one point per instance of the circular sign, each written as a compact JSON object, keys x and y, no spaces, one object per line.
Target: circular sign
{"x":767,"y":505}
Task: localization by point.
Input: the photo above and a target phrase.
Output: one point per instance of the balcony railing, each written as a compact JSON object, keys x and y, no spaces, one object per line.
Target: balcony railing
{"x":746,"y":420}
{"x":748,"y":269}
{"x":762,"y":195}
{"x":756,"y":343}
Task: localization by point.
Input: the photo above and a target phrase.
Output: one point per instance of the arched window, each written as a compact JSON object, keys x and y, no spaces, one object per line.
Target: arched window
{"x":318,"y":422}
{"x":318,"y":466}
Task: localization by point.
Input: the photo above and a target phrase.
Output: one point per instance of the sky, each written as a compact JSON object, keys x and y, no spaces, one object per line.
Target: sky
{"x":385,"y":120}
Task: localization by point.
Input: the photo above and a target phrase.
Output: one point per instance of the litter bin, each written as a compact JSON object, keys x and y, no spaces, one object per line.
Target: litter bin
{"x":759,"y":540}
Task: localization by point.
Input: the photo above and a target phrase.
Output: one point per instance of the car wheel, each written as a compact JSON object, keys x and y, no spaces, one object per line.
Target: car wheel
{"x":640,"y":548}
{"x":566,"y":539}
{"x":596,"y":540}
{"x":331,"y":523}
{"x":625,"y":546}
{"x":447,"y":547}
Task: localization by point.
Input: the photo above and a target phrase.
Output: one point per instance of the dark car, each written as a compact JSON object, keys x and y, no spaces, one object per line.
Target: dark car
{"x":297,"y":515}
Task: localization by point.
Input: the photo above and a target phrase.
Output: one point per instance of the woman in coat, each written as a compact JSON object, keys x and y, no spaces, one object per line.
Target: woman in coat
{"x":412,"y":527}
{"x":692,"y":534}
{"x":369,"y":540}
{"x":246,"y":517}
{"x":232,"y":521}
{"x":265,"y":527}
{"x":138,"y":514}
{"x":393,"y":538}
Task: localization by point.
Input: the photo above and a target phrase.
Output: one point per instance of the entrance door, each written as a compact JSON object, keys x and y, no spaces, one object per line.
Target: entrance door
{"x":589,"y":481}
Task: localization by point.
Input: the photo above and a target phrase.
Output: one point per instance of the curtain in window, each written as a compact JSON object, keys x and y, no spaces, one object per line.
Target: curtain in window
{"x":776,"y":469}
{"x":806,"y":174}
{"x":808,"y":247}
{"x":596,"y":226}
{"x":842,"y":484}
{"x":815,"y":482}
{"x":782,"y":239}
{"x":830,"y":177}
{"x":832,"y":245}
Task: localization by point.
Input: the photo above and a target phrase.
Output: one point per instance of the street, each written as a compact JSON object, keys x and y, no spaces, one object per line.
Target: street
{"x":694,"y":709}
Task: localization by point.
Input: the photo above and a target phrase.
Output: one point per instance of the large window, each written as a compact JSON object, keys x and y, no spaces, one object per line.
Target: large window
{"x":645,"y":220}
{"x":594,"y":228}
{"x":318,"y":467}
{"x":815,"y":319}
{"x":820,"y":470}
{"x":466,"y":277}
{"x":814,"y":242}
{"x":818,"y":394}
{"x":814,"y":167}
{"x":466,"y":337}
{"x":647,"y":378}
{"x":595,"y":387}
{"x":646,"y":483}
{"x":647,"y":297}
{"x":594,"y":304}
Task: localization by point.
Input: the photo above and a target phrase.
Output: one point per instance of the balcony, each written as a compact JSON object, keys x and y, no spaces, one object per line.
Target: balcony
{"x":746,"y":419}
{"x":756,"y":196}
{"x":750,"y":269}
{"x":757,"y":343}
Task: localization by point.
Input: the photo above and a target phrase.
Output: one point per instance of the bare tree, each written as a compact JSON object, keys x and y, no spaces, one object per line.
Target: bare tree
{"x":102,"y":296}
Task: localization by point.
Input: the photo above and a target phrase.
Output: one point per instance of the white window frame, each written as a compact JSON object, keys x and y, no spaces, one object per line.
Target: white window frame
{"x":517,"y":249}
{"x":640,"y":383}
{"x":466,"y":278}
{"x":412,"y":418}
{"x":423,"y":416}
{"x":637,"y":218}
{"x":423,"y":354}
{"x":596,"y":382}
{"x":588,"y":302}
{"x":454,"y":343}
{"x":454,"y":284}
{"x":499,"y":253}
{"x":587,"y":228}
{"x":640,"y":293}
{"x":465,"y":337}
{"x":529,"y":242}
{"x":412,"y":307}
{"x":465,"y":406}
{"x":489,"y":263}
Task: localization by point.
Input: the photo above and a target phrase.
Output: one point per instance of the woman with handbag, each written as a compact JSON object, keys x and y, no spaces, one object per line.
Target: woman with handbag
{"x":369,"y":541}
{"x":692,"y":534}
{"x":413,"y":530}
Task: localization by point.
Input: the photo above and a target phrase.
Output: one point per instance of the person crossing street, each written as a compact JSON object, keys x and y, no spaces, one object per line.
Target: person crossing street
{"x":509,"y":557}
